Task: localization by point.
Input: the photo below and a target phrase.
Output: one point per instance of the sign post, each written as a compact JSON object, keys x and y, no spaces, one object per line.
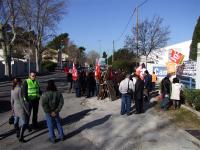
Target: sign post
{"x":198,"y":67}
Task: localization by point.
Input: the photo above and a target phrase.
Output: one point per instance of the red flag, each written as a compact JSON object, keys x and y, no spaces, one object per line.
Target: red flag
{"x":97,"y":70}
{"x":176,"y":57}
{"x":74,"y":73}
{"x":140,"y":71}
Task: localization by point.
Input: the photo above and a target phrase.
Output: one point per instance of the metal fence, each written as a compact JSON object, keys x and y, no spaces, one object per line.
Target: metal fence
{"x":188,"y":82}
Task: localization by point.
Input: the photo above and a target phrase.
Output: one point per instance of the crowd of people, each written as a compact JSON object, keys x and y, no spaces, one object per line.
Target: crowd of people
{"x":25,"y":100}
{"x":135,"y":87}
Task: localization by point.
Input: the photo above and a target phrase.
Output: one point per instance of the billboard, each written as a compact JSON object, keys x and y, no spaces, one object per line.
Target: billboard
{"x":160,"y":71}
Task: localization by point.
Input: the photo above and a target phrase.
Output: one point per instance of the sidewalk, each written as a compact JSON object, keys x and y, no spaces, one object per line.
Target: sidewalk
{"x":148,"y":131}
{"x":97,"y":125}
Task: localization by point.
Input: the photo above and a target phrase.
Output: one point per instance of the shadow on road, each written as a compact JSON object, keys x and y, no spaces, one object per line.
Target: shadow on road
{"x":6,"y":134}
{"x":88,"y":126}
{"x":67,"y":120}
{"x":4,"y":105}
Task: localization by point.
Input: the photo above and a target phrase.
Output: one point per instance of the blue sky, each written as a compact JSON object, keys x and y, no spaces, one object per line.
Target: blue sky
{"x":94,"y":24}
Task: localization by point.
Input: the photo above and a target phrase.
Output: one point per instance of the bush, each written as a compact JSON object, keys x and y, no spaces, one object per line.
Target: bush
{"x":49,"y":65}
{"x":192,"y":97}
{"x":197,"y":103}
{"x":125,"y":65}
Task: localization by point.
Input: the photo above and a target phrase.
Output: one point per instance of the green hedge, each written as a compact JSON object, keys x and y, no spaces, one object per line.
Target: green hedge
{"x":192,"y":97}
{"x":125,"y":65}
{"x":49,"y":65}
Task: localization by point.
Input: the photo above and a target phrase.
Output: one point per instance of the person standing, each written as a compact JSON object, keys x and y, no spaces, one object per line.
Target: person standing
{"x":69,"y":79}
{"x":125,"y":97}
{"x":147,"y":85}
{"x":153,"y":81}
{"x":52,"y":102}
{"x":32,"y":92}
{"x":19,"y":109}
{"x":165,"y":92}
{"x":175,"y":94}
{"x":138,"y":94}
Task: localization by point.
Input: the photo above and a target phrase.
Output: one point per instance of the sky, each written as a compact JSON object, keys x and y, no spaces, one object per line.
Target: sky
{"x":94,"y":24}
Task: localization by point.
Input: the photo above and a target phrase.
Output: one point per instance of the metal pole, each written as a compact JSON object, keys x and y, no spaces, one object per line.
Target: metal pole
{"x":113,"y":51}
{"x":198,"y":67}
{"x":61,"y":63}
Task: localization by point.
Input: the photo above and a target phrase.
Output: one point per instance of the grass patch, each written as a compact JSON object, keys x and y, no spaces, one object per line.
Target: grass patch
{"x":183,"y":118}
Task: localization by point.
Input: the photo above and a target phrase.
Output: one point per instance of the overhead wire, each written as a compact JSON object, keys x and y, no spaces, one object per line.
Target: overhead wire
{"x":130,"y":21}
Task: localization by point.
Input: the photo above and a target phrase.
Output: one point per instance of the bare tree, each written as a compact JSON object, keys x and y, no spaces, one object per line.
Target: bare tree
{"x":42,"y":16}
{"x":151,"y":36}
{"x":92,"y":56}
{"x":9,"y":11}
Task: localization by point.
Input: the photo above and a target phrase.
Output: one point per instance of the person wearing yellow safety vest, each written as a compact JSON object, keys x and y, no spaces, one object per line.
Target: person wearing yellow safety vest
{"x":154,"y":79}
{"x":32,"y":92}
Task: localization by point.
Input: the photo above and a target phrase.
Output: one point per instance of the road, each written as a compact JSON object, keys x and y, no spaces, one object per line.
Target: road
{"x":97,"y":124}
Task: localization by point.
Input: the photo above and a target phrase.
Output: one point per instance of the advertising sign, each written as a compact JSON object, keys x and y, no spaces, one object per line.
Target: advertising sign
{"x":160,"y":71}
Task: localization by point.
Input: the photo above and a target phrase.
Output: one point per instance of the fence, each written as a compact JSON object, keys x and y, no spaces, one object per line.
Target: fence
{"x":19,"y":68}
{"x":188,"y":82}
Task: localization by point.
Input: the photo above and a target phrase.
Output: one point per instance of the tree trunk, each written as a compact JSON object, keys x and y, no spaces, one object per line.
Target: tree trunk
{"x":6,"y":52}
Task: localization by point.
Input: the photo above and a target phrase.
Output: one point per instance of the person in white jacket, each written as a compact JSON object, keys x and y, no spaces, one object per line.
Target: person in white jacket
{"x":126,"y":97}
{"x":175,"y":93}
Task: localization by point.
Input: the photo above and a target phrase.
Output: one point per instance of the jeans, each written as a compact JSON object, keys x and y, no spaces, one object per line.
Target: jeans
{"x":78,"y":92}
{"x":125,"y":104}
{"x":19,"y":121}
{"x":51,"y":121}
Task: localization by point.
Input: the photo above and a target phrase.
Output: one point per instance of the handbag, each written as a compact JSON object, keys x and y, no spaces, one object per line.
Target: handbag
{"x":129,"y":91}
{"x":11,"y":120}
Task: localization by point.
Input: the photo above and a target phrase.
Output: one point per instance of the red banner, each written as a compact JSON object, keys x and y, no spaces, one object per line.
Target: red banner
{"x":74,"y":73}
{"x":97,"y":70}
{"x":176,"y":57}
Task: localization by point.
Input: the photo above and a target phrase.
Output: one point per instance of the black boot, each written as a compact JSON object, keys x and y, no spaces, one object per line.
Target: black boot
{"x":17,"y":130}
{"x":21,"y":135}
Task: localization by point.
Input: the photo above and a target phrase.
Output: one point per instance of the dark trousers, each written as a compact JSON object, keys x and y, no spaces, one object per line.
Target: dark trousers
{"x":153,"y":85}
{"x":33,"y":105}
{"x":139,"y":105}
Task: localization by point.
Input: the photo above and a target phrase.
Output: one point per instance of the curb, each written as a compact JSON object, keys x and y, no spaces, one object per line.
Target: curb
{"x":192,"y":110}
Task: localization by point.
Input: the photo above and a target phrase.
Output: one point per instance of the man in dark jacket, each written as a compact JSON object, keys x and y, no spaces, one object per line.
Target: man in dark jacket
{"x":139,"y":88}
{"x":165,"y":91}
{"x":147,"y":84}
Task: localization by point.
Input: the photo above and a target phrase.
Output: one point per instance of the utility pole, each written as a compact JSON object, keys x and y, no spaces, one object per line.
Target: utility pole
{"x":99,"y":48}
{"x":113,"y":51}
{"x":137,"y":31}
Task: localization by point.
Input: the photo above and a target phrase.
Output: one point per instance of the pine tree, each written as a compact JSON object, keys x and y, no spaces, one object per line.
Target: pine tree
{"x":195,"y":40}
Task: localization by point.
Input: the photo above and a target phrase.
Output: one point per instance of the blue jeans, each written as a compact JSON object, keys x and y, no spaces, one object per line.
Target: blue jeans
{"x":50,"y":124}
{"x":20,"y":121}
{"x":125,"y":104}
